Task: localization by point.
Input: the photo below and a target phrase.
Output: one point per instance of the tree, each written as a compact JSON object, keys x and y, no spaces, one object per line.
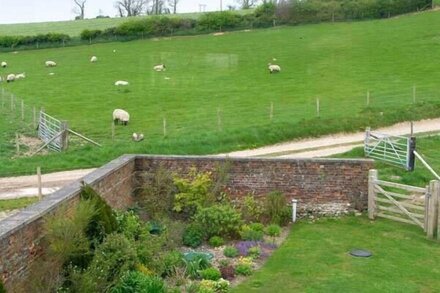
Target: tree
{"x":246,"y":4}
{"x":173,"y":5}
{"x":131,"y":7}
{"x":158,"y":7}
{"x":80,"y":8}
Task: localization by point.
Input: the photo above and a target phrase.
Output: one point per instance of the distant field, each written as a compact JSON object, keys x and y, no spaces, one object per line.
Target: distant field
{"x":74,"y":28}
{"x":216,"y":94}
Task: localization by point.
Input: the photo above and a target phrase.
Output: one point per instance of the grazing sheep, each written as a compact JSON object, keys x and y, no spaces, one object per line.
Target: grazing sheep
{"x":273,"y":68}
{"x":114,"y":50}
{"x":10,"y":78}
{"x":159,"y":67}
{"x":121,"y":115}
{"x":52,"y":73}
{"x":137,"y":137}
{"x":93,"y":59}
{"x":121,"y":82}
{"x":50,"y":64}
{"x":20,"y":75}
{"x":4,"y":64}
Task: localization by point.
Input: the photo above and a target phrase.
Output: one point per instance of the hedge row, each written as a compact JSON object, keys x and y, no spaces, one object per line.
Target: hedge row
{"x":267,"y":14}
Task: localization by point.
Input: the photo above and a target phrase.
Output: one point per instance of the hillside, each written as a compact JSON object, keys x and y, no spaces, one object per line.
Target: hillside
{"x":217,"y":94}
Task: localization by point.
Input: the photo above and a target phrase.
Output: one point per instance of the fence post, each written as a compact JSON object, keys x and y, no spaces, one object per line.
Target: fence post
{"x":372,"y":177}
{"x":113,"y":131}
{"x":414,"y":94}
{"x":271,"y":111}
{"x":64,"y":136}
{"x":219,"y":120}
{"x":433,"y":197}
{"x":317,"y":107}
{"x":17,"y":144}
{"x":35,"y":117}
{"x":368,"y":98}
{"x":164,"y":127}
{"x":40,"y":193}
{"x":22,"y":110}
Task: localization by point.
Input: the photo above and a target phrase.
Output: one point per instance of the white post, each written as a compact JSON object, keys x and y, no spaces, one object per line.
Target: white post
{"x":294,"y":202}
{"x":164,"y":127}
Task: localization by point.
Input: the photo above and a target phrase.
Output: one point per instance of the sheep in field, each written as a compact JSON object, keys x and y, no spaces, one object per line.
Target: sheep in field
{"x":4,"y":64}
{"x":10,"y":78}
{"x":20,"y":75}
{"x":273,"y":68}
{"x":159,"y":67}
{"x":94,"y":59}
{"x":50,"y":64}
{"x":137,"y":137}
{"x":121,"y":82}
{"x":121,"y":115}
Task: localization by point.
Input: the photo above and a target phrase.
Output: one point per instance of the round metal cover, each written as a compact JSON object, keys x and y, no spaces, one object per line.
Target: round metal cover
{"x":360,"y":253}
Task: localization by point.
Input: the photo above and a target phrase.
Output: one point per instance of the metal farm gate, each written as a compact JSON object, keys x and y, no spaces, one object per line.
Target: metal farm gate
{"x":395,"y":150}
{"x":52,"y":132}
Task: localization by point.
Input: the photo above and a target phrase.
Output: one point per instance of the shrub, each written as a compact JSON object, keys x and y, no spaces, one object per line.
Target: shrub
{"x":216,"y":241}
{"x":209,"y":286}
{"x":156,"y":195}
{"x":247,"y":233}
{"x":244,"y":246}
{"x":277,"y":209}
{"x":230,"y":251}
{"x":228,"y":272}
{"x":171,"y":260}
{"x":244,"y":266}
{"x":210,"y":274}
{"x":2,"y":287}
{"x":218,"y":21}
{"x":273,"y":230}
{"x":195,"y":265}
{"x":220,"y":220}
{"x":254,"y":252}
{"x":137,"y":282}
{"x":193,"y":236}
{"x":193,"y":193}
{"x":251,"y":209}
{"x":90,"y":34}
{"x":130,"y":225}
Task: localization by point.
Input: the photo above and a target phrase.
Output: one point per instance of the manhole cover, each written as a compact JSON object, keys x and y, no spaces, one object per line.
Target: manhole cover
{"x":360,"y":253}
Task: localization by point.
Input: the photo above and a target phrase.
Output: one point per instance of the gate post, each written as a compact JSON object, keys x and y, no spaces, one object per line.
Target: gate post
{"x":64,"y":136}
{"x":372,"y":177}
{"x":432,"y":210}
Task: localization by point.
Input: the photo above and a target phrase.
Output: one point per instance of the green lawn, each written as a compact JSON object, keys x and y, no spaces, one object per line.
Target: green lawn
{"x":217,"y":92}
{"x":315,"y":258}
{"x":13,"y":204}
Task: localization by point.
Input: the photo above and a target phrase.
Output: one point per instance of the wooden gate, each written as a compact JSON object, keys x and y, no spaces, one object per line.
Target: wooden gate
{"x":405,"y":203}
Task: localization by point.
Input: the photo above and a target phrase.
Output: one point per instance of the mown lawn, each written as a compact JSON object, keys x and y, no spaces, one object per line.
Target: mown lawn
{"x":315,"y":258}
{"x":216,"y":94}
{"x":12,"y":204}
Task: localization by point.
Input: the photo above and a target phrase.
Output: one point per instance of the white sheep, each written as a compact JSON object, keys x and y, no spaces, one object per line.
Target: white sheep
{"x":10,"y":78}
{"x":121,"y":83}
{"x":121,"y":115}
{"x":20,"y":75}
{"x":159,"y":67}
{"x":137,"y":137}
{"x":273,"y":68}
{"x":50,"y":64}
{"x":93,"y":59}
{"x":4,"y":64}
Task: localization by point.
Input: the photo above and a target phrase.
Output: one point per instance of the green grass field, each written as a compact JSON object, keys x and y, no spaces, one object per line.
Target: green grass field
{"x":217,"y":92}
{"x":315,"y":258}
{"x":12,"y":204}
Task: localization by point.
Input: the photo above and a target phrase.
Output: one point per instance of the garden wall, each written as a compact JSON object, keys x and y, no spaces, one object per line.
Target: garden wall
{"x":316,"y":183}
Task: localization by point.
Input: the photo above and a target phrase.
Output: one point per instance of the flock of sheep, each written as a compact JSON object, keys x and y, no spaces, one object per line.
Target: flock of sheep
{"x":119,"y":115}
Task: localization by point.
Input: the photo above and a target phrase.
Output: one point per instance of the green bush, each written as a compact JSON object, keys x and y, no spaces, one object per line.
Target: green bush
{"x":220,"y":220}
{"x":215,"y":21}
{"x":248,"y":233}
{"x":193,"y":192}
{"x":134,"y":282}
{"x":273,"y":230}
{"x":195,"y":265}
{"x":2,"y":287}
{"x":90,"y":34}
{"x":277,"y":210}
{"x":251,"y":209}
{"x":254,"y":252}
{"x":243,"y":269}
{"x":171,"y":260}
{"x":210,"y":274}
{"x":216,"y":241}
{"x":193,"y":236}
{"x":230,"y":251}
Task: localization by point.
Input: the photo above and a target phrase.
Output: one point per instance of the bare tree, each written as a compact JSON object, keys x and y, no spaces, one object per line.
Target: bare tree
{"x":159,"y":7}
{"x":80,"y":8}
{"x":247,"y":4}
{"x":131,"y":7}
{"x":173,"y":5}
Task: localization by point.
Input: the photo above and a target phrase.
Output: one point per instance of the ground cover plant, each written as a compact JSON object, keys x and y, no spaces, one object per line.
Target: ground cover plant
{"x":338,"y":63}
{"x":315,"y":258}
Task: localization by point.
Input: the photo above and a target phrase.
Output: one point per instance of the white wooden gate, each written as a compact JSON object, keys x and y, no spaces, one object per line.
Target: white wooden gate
{"x":405,"y":203}
{"x":51,"y":132}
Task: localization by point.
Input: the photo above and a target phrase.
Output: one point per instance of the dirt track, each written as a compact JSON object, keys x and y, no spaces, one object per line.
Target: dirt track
{"x":11,"y":187}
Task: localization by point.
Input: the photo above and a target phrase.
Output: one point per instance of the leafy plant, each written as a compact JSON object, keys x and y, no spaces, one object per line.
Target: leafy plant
{"x":247,"y":233}
{"x":273,"y":230}
{"x":194,"y":266}
{"x":221,"y":220}
{"x":243,"y":246}
{"x":193,"y":236}
{"x":244,"y":266}
{"x":216,"y":241}
{"x":2,"y":287}
{"x":254,"y":252}
{"x":133,"y":282}
{"x":277,"y":209}
{"x":172,"y":260}
{"x":230,"y":251}
{"x":210,"y":274}
{"x":228,"y":272}
{"x":193,"y":192}
{"x":251,"y":209}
